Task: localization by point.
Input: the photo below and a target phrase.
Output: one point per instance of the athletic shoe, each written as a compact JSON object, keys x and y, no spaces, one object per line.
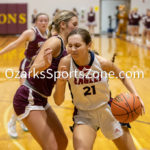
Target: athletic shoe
{"x":12,"y":129}
{"x":24,"y":128}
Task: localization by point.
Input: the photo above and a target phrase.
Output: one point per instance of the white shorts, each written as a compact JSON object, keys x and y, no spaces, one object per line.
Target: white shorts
{"x":91,"y":23}
{"x":100,"y":118}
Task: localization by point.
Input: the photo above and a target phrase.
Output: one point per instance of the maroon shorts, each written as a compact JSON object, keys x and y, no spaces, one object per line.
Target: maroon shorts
{"x":26,"y":100}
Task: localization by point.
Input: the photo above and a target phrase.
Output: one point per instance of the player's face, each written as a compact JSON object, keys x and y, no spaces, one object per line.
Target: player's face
{"x":42,"y":23}
{"x":72,"y":24}
{"x":77,"y":47}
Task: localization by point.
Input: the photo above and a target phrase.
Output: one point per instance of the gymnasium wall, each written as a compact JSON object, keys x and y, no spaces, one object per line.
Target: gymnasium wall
{"x":13,"y":18}
{"x":142,"y":5}
{"x":49,"y":6}
{"x":108,"y":8}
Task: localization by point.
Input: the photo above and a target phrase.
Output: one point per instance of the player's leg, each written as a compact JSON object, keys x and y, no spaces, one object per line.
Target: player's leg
{"x":37,"y":124}
{"x":92,"y":30}
{"x":83,"y":137}
{"x":125,"y":142}
{"x":57,"y":128}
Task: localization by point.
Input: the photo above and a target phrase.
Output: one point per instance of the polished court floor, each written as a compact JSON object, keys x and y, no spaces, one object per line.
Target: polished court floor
{"x":129,"y":57}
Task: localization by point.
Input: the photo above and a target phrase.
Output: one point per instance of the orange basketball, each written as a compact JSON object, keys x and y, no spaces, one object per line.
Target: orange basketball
{"x":126,"y":107}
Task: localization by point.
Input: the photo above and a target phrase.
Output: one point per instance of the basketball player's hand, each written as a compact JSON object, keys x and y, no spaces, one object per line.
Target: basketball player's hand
{"x":142,"y":104}
{"x":48,"y":56}
{"x":63,"y":73}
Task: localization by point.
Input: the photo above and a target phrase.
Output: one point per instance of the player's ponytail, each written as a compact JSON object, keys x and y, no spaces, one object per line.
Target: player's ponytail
{"x":50,"y":29}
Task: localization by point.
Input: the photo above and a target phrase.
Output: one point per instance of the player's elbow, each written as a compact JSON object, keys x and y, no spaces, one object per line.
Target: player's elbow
{"x":58,"y":103}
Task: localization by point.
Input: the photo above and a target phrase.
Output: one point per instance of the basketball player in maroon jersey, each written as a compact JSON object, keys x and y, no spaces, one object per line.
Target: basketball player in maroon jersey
{"x":33,"y":38}
{"x":91,"y":17}
{"x":30,"y":101}
{"x":133,"y":24}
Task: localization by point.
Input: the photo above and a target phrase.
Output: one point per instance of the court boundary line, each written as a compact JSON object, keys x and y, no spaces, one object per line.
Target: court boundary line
{"x":144,"y":122}
{"x":5,"y":120}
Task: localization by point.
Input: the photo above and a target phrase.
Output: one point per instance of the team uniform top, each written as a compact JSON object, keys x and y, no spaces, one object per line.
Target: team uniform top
{"x":44,"y":82}
{"x":91,"y":16}
{"x":88,"y":92}
{"x":147,"y":22}
{"x":134,"y":19}
{"x":33,"y":46}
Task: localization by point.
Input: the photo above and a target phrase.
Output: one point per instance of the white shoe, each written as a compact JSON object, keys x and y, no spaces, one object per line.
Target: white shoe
{"x":12,"y":129}
{"x":24,"y":128}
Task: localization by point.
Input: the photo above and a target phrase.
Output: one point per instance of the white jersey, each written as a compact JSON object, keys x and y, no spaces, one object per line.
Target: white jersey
{"x":88,"y":87}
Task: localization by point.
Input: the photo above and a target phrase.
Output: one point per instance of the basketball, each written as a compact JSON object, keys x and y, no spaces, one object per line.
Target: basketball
{"x":126,"y":107}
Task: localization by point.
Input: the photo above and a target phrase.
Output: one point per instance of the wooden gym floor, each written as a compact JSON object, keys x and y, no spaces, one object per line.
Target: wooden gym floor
{"x":129,"y":58}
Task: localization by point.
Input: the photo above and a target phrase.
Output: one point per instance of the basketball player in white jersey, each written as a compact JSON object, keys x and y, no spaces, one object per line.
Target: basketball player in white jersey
{"x":90,"y":93}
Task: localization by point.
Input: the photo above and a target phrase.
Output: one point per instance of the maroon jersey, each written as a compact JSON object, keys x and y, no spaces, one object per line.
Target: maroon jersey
{"x":134,"y":19}
{"x":91,"y":17}
{"x":147,"y":22}
{"x":34,"y":45}
{"x":44,"y":82}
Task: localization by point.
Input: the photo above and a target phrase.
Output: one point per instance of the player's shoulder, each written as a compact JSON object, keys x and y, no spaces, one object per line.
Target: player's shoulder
{"x":28,"y":34}
{"x":66,"y":59}
{"x":101,"y":59}
{"x":104,"y":62}
{"x":29,"y":31}
{"x":55,"y":40}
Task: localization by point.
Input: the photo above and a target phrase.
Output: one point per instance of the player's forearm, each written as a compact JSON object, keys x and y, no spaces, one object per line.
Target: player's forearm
{"x":58,"y":98}
{"x":8,"y":48}
{"x":129,"y":85}
{"x":59,"y":95}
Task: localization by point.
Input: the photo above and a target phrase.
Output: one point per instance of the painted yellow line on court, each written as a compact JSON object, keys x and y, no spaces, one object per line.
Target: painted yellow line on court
{"x":137,"y":144}
{"x":5,"y":121}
